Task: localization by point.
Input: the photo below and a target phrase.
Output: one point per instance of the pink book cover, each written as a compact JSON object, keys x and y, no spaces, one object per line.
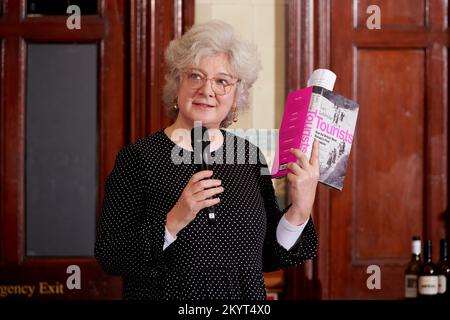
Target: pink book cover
{"x":291,"y":130}
{"x":317,"y":113}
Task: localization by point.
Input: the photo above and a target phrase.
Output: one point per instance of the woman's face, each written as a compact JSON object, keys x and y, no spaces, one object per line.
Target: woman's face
{"x":202,"y":103}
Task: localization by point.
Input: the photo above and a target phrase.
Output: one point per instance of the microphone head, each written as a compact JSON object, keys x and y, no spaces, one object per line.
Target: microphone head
{"x":200,"y":145}
{"x":199,"y":134}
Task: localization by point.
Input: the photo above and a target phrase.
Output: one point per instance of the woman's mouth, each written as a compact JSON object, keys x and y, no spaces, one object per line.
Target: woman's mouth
{"x":203,"y":105}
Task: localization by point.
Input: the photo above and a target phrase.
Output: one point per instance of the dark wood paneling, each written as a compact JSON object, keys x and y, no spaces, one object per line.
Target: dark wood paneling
{"x":108,"y":31}
{"x":398,"y":14}
{"x":398,"y":39}
{"x":436,"y":145}
{"x":54,"y":29}
{"x":188,"y":14}
{"x":112,"y":104}
{"x":322,"y":49}
{"x":397,"y":180}
{"x":132,"y":37}
{"x":308,"y":32}
{"x":138,"y":53}
{"x":2,"y":142}
{"x":391,"y":123}
{"x":299,"y":40}
{"x":300,"y":283}
{"x":13,"y":165}
{"x":396,"y":186}
{"x":161,"y":31}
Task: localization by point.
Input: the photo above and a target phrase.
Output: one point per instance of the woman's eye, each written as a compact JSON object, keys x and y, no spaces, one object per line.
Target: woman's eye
{"x":222,"y":82}
{"x":195,"y":76}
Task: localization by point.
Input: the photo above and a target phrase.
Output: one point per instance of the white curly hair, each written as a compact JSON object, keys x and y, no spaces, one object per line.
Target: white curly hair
{"x":209,"y":39}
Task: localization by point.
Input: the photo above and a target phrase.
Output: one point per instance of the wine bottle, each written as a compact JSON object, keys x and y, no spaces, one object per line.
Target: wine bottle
{"x":412,"y":270}
{"x":428,"y":275}
{"x":444,"y":271}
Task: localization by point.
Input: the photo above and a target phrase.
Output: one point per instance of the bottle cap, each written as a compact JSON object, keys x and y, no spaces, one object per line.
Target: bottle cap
{"x":416,"y":246}
{"x":322,"y":78}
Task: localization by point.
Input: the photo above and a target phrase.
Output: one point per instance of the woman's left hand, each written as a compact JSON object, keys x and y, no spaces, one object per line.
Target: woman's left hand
{"x":302,"y":184}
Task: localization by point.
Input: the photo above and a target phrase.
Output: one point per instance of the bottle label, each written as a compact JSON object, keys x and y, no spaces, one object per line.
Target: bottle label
{"x":410,"y":286}
{"x":442,"y":285}
{"x":428,"y":285}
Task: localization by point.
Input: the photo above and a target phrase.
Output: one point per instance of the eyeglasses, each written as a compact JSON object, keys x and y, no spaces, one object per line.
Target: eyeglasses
{"x":220,"y":85}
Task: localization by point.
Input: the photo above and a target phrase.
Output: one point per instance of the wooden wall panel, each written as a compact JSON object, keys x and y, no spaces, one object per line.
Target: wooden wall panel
{"x":389,"y":153}
{"x":16,"y":30}
{"x":397,"y":14}
{"x":2,"y":52}
{"x":397,"y":179}
{"x":132,"y":36}
{"x":300,"y":283}
{"x":397,"y":184}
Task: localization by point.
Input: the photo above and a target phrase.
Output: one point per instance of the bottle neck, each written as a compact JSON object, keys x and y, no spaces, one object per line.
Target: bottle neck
{"x":428,"y":252}
{"x":443,"y":250}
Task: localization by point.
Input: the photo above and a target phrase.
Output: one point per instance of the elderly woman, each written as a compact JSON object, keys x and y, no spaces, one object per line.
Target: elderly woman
{"x":154,"y":230}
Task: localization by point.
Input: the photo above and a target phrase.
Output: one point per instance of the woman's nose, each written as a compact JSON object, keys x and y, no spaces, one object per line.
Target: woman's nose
{"x":207,"y":89}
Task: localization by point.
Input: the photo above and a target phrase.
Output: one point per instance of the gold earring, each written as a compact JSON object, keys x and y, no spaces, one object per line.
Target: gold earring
{"x":235,"y":115}
{"x":175,"y":107}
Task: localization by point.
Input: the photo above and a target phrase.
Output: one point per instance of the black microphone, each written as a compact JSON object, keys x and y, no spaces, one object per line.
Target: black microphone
{"x":202,"y":156}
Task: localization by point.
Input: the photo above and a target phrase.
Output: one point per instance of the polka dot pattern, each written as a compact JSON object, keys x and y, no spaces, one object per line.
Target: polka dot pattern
{"x":221,"y":261}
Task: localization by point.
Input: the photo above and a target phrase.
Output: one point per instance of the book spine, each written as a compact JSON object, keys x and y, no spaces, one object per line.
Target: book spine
{"x":292,"y":126}
{"x":309,"y":130}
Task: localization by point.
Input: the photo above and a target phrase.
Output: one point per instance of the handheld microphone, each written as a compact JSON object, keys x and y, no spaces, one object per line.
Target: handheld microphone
{"x":202,"y":155}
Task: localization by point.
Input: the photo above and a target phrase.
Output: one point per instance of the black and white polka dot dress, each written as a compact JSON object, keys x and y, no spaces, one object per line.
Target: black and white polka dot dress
{"x":221,"y":261}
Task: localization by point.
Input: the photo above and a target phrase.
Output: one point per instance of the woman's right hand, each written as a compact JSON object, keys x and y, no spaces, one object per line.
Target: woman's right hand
{"x":196,"y":196}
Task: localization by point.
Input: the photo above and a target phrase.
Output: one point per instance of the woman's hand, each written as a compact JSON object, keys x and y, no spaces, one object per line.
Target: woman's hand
{"x":195,"y":197}
{"x":302,"y":185}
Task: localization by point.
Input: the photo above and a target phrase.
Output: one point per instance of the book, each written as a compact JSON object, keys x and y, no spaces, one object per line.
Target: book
{"x":316,"y":112}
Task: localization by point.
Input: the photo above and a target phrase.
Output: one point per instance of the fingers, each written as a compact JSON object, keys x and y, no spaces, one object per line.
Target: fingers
{"x":197,"y":195}
{"x":295,"y":168}
{"x":205,"y":184}
{"x":200,"y":191}
{"x":304,"y":165}
{"x":315,"y":154}
{"x":200,"y":176}
{"x":302,"y":158}
{"x":208,"y":193}
{"x":208,"y":203}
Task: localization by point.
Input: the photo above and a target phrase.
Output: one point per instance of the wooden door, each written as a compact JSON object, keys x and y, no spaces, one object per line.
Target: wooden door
{"x":397,"y":180}
{"x":40,"y":88}
{"x":70,"y":100}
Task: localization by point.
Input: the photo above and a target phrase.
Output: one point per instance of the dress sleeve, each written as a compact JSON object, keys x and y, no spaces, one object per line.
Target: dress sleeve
{"x":128,"y":243}
{"x":275,"y":256}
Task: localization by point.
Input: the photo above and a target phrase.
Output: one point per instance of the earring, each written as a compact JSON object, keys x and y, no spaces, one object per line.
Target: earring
{"x":175,"y":103}
{"x":235,"y":115}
